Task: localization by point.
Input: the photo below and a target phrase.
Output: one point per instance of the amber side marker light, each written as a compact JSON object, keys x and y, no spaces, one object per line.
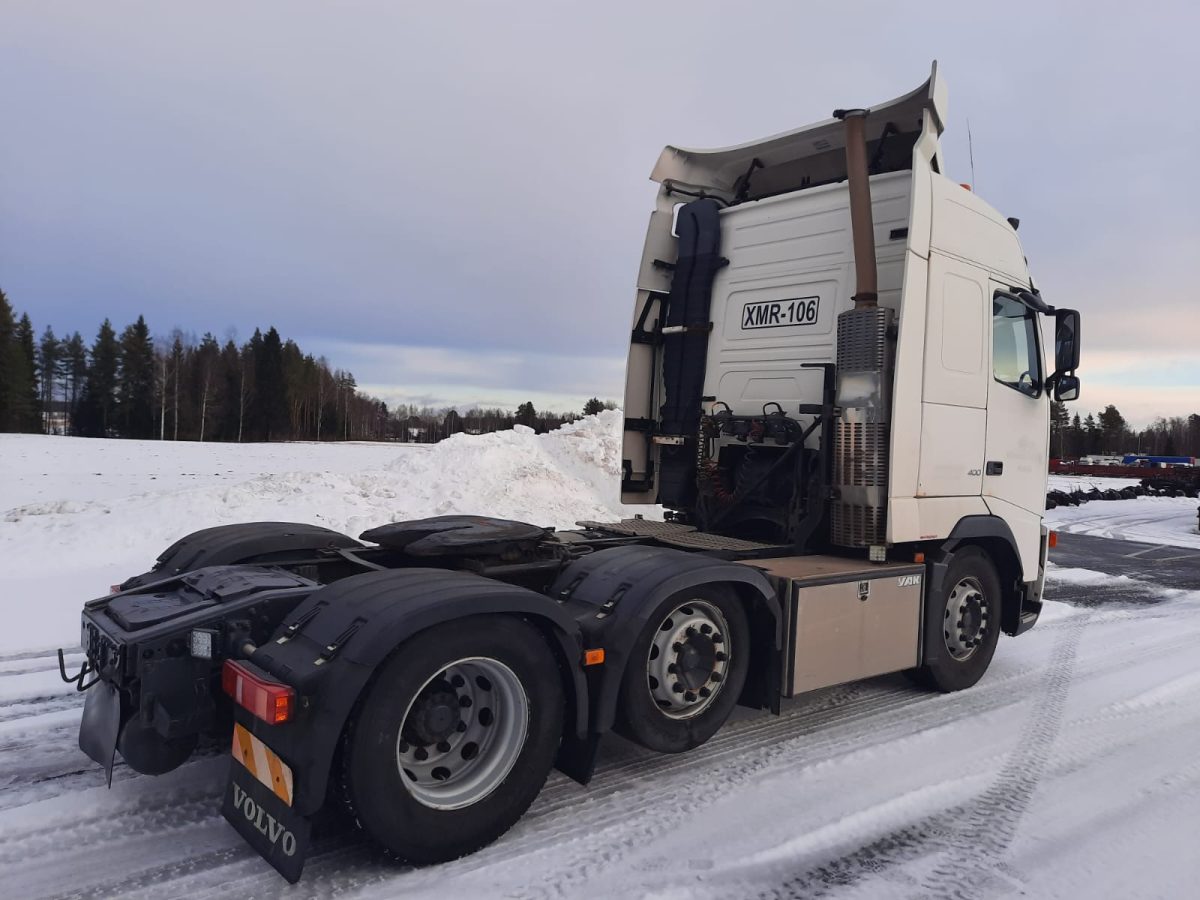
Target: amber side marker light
{"x":593,"y":657}
{"x":267,"y":700}
{"x":1052,"y":540}
{"x":918,"y":557}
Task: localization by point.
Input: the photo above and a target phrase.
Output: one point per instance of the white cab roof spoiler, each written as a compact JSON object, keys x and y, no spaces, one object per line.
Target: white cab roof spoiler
{"x":812,"y":154}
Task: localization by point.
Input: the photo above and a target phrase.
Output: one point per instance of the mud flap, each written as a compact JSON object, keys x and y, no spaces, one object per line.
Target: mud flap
{"x":100,"y":725}
{"x":274,"y":829}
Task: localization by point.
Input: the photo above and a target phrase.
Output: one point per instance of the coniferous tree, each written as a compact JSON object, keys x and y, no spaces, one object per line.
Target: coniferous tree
{"x":237,"y":380}
{"x":1059,"y":424}
{"x":49,"y":368}
{"x":97,"y":408}
{"x":593,"y":406}
{"x":268,"y":402}
{"x":1075,"y":448}
{"x":135,"y":392}
{"x":8,"y":366}
{"x":28,"y":408}
{"x":75,"y":370}
{"x":527,"y":415}
{"x":176,"y":366}
{"x":203,"y":377}
{"x":1112,"y":430}
{"x":1091,"y":435}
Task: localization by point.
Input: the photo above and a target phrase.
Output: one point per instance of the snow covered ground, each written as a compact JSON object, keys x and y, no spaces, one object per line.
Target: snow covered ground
{"x":68,"y":529}
{"x":1153,"y":520}
{"x":1071,"y":770}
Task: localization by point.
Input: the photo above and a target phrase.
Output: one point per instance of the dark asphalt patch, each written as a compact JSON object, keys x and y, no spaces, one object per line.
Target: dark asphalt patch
{"x":1120,"y":593}
{"x":1175,"y":567}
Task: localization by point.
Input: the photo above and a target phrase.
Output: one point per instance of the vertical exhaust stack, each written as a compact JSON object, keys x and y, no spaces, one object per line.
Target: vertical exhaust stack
{"x":862,"y":223}
{"x":864,"y":371}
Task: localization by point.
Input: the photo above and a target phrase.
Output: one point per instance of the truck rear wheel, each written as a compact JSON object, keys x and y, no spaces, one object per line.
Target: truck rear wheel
{"x":686,"y":670}
{"x":455,"y":738}
{"x":968,"y":607}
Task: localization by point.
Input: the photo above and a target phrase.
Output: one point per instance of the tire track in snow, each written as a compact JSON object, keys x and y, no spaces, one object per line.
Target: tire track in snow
{"x":799,"y":750}
{"x":970,"y":837}
{"x":981,"y":838}
{"x":937,"y":833}
{"x":32,"y":707}
{"x":594,"y":853}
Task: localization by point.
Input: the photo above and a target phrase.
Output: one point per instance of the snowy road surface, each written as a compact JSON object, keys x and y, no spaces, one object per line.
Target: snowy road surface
{"x":1071,"y":770}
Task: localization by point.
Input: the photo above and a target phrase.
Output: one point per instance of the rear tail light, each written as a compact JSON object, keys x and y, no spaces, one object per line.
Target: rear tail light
{"x":269,"y":700}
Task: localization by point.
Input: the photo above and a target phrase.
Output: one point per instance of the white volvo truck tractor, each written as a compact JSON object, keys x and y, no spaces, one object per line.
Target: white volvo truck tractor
{"x":836,"y":388}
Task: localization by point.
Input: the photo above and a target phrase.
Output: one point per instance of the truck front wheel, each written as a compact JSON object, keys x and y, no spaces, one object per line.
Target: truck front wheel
{"x":686,"y":670}
{"x":967,"y":610}
{"x":455,"y":738}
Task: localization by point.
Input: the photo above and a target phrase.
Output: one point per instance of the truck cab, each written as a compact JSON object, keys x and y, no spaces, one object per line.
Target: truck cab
{"x":941,"y":393}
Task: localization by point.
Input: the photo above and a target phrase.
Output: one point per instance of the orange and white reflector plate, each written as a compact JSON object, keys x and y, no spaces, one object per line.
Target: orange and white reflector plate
{"x":263,"y":763}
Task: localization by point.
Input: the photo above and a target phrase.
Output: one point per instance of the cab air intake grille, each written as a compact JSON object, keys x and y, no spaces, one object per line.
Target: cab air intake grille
{"x":855,"y":525}
{"x":858,"y":517}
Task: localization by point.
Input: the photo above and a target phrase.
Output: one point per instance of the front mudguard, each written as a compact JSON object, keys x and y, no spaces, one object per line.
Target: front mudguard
{"x":331,"y":644}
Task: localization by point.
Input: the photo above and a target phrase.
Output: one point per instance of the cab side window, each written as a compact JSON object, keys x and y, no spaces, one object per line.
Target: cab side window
{"x":1016,"y":360}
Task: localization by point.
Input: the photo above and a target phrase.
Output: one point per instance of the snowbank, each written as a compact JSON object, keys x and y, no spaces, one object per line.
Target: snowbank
{"x":74,"y":529}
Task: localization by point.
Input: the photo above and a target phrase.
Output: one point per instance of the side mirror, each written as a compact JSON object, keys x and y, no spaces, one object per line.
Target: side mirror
{"x":1066,"y":388}
{"x":1066,"y":340}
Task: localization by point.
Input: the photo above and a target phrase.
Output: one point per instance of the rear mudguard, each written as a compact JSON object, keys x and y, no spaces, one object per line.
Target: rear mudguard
{"x":330,"y":645}
{"x":227,"y":545}
{"x":613,"y":593}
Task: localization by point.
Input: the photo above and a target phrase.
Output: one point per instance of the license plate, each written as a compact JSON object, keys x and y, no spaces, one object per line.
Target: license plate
{"x":780,"y":313}
{"x":270,"y":826}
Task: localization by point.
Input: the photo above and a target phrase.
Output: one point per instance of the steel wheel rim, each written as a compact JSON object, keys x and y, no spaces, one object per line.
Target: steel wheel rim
{"x":688,"y":659}
{"x":448,"y":764}
{"x":967,"y":618}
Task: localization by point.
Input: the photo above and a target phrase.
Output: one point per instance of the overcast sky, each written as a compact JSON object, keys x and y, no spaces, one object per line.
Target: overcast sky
{"x":450,"y":199}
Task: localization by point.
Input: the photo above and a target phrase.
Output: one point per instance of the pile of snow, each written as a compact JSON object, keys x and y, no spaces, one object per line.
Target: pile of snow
{"x":555,"y":479}
{"x":77,"y":528}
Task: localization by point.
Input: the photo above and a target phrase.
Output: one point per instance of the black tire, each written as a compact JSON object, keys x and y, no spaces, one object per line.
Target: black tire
{"x":640,"y":717}
{"x":378,"y":790}
{"x":950,"y":670}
